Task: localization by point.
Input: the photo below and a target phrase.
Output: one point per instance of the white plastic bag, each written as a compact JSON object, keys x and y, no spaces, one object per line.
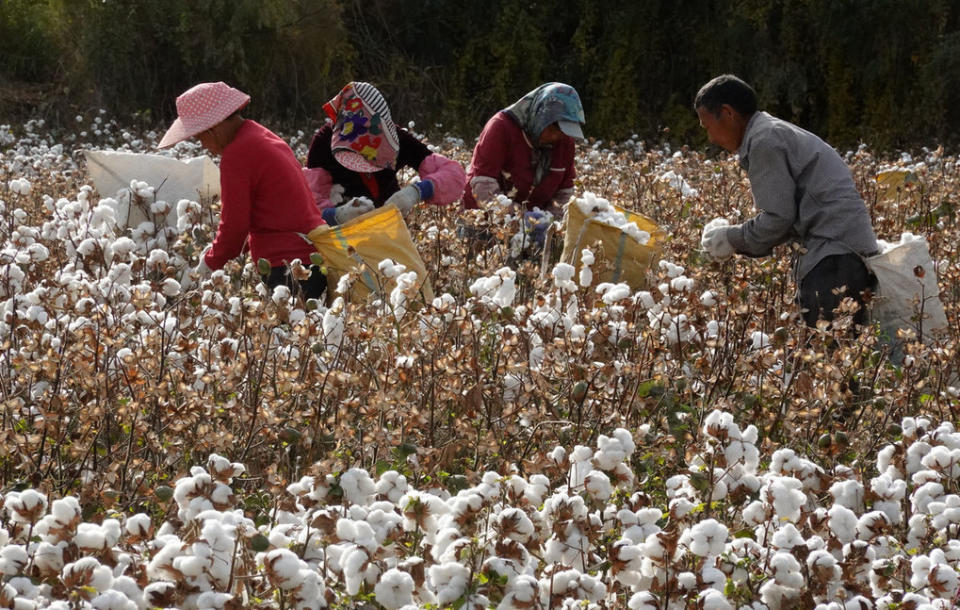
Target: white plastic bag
{"x":172,"y":179}
{"x":907,"y":295}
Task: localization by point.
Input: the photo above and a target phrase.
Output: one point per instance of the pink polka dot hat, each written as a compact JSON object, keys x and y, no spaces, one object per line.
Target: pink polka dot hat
{"x":200,"y":108}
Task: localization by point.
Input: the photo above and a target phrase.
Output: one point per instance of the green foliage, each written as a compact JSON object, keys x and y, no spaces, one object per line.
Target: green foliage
{"x":884,"y":72}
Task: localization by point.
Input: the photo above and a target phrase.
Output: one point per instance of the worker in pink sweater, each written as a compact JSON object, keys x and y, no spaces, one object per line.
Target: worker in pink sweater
{"x":526,"y":151}
{"x":266,"y":202}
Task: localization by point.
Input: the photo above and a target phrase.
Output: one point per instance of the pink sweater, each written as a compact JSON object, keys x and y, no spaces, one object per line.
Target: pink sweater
{"x":265,"y":197}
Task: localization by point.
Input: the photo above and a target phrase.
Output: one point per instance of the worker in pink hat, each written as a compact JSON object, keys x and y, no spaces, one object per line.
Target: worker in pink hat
{"x":264,"y":195}
{"x":354,"y":158}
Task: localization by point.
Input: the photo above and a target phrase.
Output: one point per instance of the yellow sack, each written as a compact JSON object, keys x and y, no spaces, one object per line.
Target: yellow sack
{"x":629,"y":260}
{"x":891,"y":181}
{"x":362,"y":243}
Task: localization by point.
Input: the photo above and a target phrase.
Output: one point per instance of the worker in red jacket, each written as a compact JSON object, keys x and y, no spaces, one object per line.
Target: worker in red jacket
{"x":264,"y":195}
{"x":526,"y":151}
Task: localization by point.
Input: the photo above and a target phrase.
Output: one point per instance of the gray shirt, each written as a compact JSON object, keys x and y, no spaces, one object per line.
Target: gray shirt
{"x":804,"y":192}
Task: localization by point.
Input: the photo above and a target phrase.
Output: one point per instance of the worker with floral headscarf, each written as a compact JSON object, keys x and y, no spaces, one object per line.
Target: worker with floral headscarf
{"x":526,"y":150}
{"x":353,"y":160}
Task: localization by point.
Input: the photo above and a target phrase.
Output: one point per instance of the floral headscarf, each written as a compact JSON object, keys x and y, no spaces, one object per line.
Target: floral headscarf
{"x":542,"y":107}
{"x":364,"y":135}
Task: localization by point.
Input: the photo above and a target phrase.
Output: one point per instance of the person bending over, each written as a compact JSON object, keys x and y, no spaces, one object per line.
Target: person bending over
{"x":353,"y":160}
{"x":265,"y":200}
{"x":804,"y":193}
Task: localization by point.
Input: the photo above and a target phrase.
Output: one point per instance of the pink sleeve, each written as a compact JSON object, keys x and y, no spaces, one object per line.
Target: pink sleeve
{"x":235,"y":214}
{"x":447,"y":176}
{"x":320,"y":182}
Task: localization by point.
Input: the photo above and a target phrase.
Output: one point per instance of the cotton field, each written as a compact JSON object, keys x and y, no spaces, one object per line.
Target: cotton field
{"x":532,"y":436}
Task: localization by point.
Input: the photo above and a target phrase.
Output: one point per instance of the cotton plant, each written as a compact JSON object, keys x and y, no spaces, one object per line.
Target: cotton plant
{"x":495,"y":526}
{"x":498,"y":290}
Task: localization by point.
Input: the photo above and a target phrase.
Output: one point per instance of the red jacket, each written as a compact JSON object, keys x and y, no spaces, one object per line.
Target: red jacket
{"x":504,"y":153}
{"x":265,"y":197}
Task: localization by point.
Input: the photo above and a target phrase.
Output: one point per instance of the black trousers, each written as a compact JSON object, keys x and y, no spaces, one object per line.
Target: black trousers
{"x":310,"y":288}
{"x":818,"y":296}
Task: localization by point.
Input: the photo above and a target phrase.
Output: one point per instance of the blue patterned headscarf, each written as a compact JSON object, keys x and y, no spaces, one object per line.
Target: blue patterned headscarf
{"x":542,"y":107}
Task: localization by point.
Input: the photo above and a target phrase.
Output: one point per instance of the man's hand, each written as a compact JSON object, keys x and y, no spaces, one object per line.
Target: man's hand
{"x":714,"y":239}
{"x":405,"y":199}
{"x":353,"y":208}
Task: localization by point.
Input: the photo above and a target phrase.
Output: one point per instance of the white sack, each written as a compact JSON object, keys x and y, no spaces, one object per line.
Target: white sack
{"x":172,"y":179}
{"x":907,"y":285}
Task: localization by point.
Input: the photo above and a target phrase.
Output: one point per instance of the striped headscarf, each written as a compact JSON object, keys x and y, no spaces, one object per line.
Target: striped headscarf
{"x":364,"y":134}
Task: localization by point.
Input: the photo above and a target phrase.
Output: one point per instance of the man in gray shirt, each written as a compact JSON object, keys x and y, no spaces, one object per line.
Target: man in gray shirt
{"x":804,"y":192}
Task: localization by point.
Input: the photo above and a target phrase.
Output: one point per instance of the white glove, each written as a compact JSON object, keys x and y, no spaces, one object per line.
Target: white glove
{"x":405,"y":199}
{"x":714,"y":239}
{"x":353,"y":208}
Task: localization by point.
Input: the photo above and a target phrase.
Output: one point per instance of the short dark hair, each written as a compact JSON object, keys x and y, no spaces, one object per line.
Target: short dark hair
{"x":726,"y":89}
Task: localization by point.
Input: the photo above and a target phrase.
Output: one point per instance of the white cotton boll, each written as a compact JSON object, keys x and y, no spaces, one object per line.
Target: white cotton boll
{"x":586,"y":276}
{"x":915,"y":453}
{"x":356,"y":565}
{"x":13,"y":559}
{"x":170,"y":287}
{"x":708,"y":298}
{"x":787,"y":498}
{"x":613,"y":451}
{"x":283,"y":568}
{"x":712,"y":599}
{"x":138,"y":525}
{"x":97,"y":576}
{"x":66,"y":510}
{"x":920,"y":568}
{"x":448,"y":581}
{"x":644,"y":299}
{"x":47,"y":557}
{"x":521,"y":593}
{"x":390,"y":268}
{"x":681,"y":284}
{"x":38,"y":252}
{"x":20,"y":186}
{"x":706,"y":538}
{"x":613,"y":293}
{"x":112,"y":600}
{"x":395,"y":589}
{"x":122,"y":247}
{"x":391,"y":485}
{"x":213,"y":600}
{"x":357,"y":486}
{"x":786,"y":570}
{"x":944,"y":460}
{"x":787,"y":537}
{"x":848,"y":493}
{"x":843,"y":523}
{"x":597,"y":484}
{"x":90,"y":536}
{"x":27,"y":506}
{"x":924,"y":495}
{"x":673,"y":270}
{"x":643,"y":600}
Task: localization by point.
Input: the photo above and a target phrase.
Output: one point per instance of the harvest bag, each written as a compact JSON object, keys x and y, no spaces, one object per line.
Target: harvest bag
{"x":907,"y":286}
{"x":629,"y":260}
{"x":362,"y":243}
{"x":172,"y":179}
